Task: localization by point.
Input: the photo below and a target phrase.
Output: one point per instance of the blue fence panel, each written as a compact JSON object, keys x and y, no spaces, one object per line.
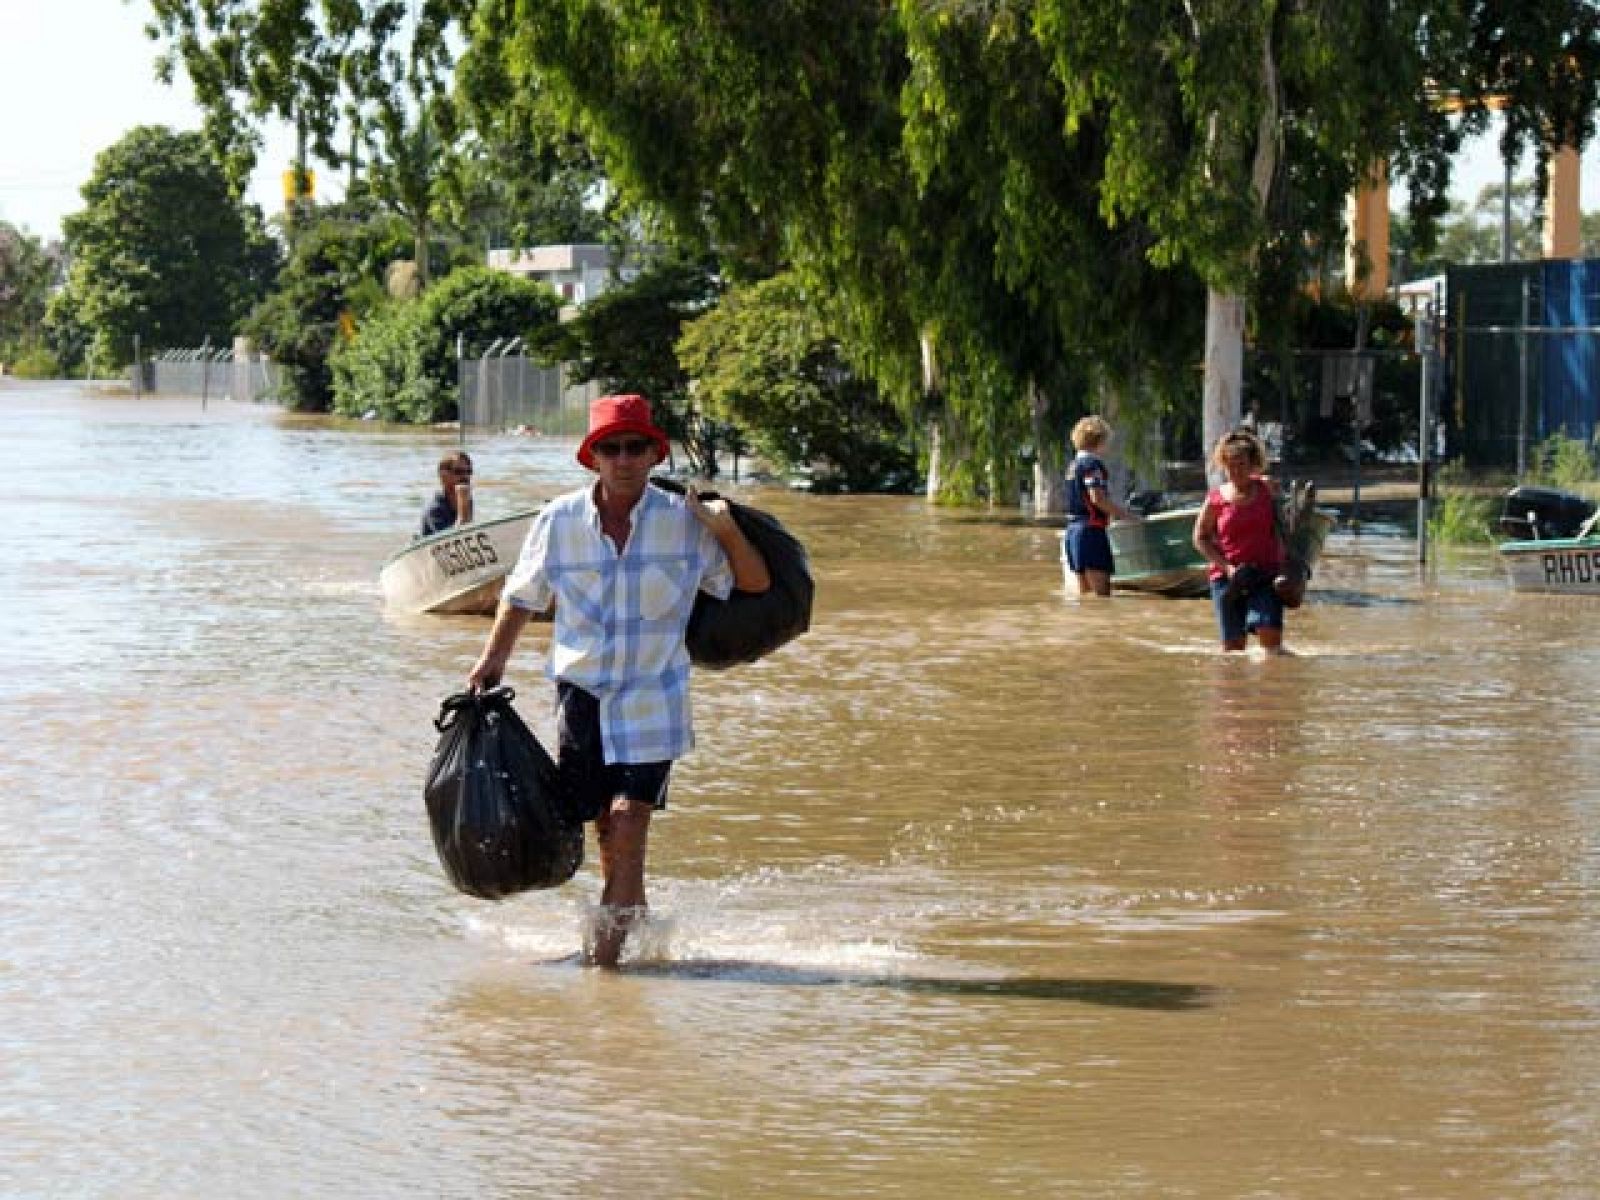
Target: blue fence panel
{"x":1569,"y":362}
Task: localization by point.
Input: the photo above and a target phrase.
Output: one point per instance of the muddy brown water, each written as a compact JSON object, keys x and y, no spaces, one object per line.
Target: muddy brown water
{"x":976,"y":890}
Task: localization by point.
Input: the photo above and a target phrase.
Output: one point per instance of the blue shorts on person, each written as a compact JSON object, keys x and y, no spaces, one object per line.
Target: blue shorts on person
{"x":1088,"y":548}
{"x":589,"y":783}
{"x":1246,"y":609}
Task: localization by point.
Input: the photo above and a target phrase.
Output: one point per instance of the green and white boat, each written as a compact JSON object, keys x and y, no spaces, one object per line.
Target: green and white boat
{"x":1562,"y":566}
{"x":1553,"y":542}
{"x":1157,"y":554}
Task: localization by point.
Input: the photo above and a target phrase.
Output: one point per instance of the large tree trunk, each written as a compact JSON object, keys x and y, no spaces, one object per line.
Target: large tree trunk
{"x":1225,"y":312}
{"x":1224,"y":378}
{"x":935,"y":454}
{"x":1049,"y":459}
{"x":930,"y":389}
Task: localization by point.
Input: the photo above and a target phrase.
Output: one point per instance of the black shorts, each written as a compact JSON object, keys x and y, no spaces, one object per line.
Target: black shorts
{"x":1088,"y":548}
{"x":589,"y":784}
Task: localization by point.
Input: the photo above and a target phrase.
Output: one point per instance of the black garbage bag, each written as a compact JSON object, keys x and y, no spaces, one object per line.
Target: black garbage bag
{"x":750,"y":625}
{"x":495,"y":802}
{"x":1244,"y":580}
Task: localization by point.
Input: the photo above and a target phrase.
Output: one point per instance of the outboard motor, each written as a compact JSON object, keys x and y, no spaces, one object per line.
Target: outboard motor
{"x":1145,"y":501}
{"x":1536,"y":513}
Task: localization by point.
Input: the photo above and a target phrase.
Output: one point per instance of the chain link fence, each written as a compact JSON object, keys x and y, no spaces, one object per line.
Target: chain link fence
{"x":243,"y":376}
{"x":502,"y":390}
{"x":499,"y":389}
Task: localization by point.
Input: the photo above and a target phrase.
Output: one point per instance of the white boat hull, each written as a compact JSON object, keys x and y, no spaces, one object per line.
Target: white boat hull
{"x":1561,"y":566}
{"x":461,"y":570}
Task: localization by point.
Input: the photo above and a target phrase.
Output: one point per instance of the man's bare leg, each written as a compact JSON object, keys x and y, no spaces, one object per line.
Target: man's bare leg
{"x":623,"y":835}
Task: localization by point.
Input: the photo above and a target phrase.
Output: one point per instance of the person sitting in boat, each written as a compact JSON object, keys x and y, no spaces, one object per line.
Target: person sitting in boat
{"x":1090,"y":509}
{"x":1237,"y":531}
{"x":452,"y":503}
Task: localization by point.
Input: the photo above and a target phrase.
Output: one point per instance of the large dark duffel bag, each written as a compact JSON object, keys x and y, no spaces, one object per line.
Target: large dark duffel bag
{"x":750,"y":625}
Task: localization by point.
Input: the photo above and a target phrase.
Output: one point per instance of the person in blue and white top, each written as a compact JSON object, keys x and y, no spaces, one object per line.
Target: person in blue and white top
{"x":1086,"y":546}
{"x":622,"y":562}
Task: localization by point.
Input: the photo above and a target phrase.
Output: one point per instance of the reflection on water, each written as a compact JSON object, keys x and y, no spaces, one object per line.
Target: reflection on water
{"x":976,"y":890}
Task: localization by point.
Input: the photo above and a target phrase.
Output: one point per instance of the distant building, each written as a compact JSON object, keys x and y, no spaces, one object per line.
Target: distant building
{"x":578,"y":272}
{"x":1414,"y":296}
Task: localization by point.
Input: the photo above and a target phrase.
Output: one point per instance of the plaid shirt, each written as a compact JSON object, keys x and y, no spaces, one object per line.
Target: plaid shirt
{"x":620,"y":618}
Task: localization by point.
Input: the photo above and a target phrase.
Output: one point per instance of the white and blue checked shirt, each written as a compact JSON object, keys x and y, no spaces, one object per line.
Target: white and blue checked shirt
{"x":620,"y":618}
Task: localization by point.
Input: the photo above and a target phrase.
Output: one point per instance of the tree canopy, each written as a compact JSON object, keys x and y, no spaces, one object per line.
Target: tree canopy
{"x":371,"y":85}
{"x":402,"y":365}
{"x":334,"y":277}
{"x":626,"y":338}
{"x":1018,"y":209}
{"x":28,"y":270}
{"x":766,"y":360}
{"x":161,"y":249}
{"x":907,"y":160}
{"x":319,"y":65}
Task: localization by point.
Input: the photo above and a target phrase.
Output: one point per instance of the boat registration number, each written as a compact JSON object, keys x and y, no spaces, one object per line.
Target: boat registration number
{"x":469,"y":552}
{"x":1571,"y":566}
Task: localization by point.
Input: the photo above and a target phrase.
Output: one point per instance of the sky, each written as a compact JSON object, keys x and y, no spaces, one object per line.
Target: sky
{"x":75,"y":75}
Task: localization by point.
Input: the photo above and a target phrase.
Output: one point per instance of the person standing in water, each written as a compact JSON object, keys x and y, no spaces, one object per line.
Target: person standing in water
{"x":1090,"y":509}
{"x":1237,"y":531}
{"x":622,"y":562}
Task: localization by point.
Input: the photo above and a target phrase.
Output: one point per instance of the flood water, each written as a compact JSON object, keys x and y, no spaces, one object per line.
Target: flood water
{"x":976,"y":890}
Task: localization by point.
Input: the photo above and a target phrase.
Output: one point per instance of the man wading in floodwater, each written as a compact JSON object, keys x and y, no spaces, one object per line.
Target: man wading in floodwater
{"x":622,"y":561}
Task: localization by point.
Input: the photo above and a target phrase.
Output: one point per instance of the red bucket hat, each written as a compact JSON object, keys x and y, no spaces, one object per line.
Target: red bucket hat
{"x":620,"y":414}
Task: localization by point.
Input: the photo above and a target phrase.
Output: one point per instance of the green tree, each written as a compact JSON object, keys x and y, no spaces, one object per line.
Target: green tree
{"x":310,"y":63}
{"x":1034,"y":306}
{"x":958,"y":172}
{"x":907,"y":159}
{"x":492,"y":205}
{"x":1473,"y":235}
{"x":332,"y":281}
{"x":28,"y":271}
{"x":1538,"y":65}
{"x":370,"y":85}
{"x":1470,"y":233}
{"x":401,"y":365}
{"x":405,"y":174}
{"x":1215,"y":112}
{"x":519,"y":177}
{"x":376,"y":69}
{"x":766,"y":361}
{"x":161,"y":249}
{"x":64,"y":333}
{"x":627,"y":339}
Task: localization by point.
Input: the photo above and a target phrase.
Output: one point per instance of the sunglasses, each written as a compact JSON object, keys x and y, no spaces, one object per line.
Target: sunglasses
{"x":631,"y":447}
{"x":467,"y":472}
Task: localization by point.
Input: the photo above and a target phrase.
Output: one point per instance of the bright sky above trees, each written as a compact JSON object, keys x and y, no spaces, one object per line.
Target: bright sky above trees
{"x":75,"y":75}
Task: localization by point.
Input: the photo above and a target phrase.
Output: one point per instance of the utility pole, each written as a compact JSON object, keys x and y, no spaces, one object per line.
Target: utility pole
{"x":1522,"y":382}
{"x":1426,"y":333}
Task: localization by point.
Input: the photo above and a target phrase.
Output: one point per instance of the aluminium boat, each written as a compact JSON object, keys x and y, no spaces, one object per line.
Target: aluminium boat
{"x":458,"y":570}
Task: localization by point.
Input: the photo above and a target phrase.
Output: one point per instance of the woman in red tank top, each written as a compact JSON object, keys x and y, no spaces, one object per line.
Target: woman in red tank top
{"x":1237,"y":532}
